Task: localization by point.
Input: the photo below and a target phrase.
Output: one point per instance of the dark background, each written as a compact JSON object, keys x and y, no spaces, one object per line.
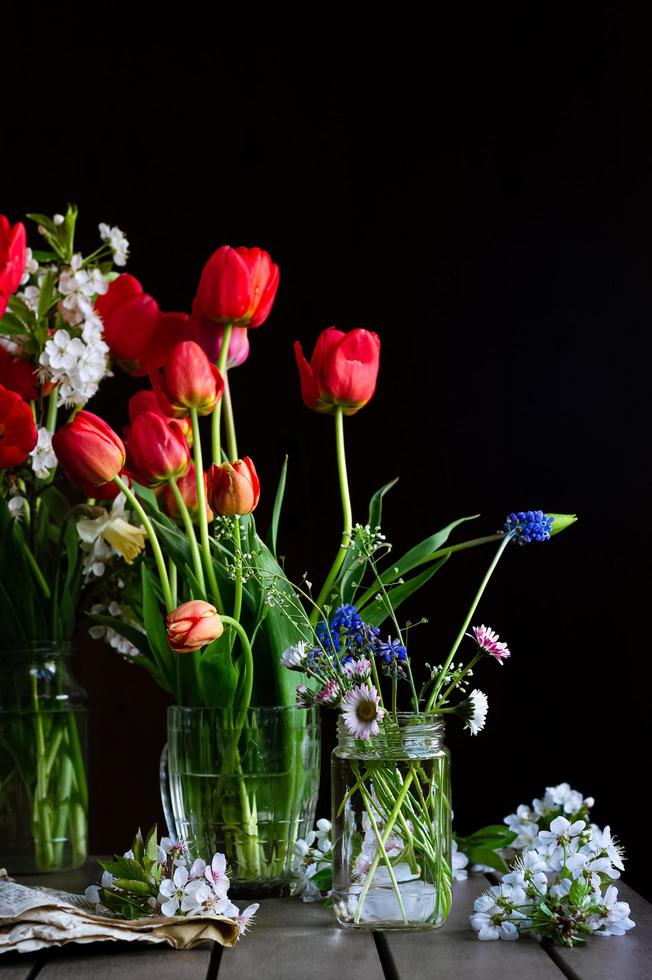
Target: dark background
{"x":480,"y":194}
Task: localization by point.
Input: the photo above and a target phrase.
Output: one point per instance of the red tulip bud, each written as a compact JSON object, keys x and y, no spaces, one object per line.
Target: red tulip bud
{"x":18,"y":433}
{"x":13,"y":257}
{"x":187,"y":485}
{"x":89,"y":450}
{"x":147,"y":401}
{"x":192,"y":625}
{"x":106,"y":491}
{"x":233,"y":488}
{"x":342,"y":371}
{"x":18,"y":375}
{"x":157,"y":450}
{"x":189,"y":381}
{"x":130,"y":319}
{"x":237,"y":286}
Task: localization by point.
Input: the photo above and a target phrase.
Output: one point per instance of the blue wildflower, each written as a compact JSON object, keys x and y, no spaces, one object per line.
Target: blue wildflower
{"x":529,"y":525}
{"x":346,"y":627}
{"x":391,"y":651}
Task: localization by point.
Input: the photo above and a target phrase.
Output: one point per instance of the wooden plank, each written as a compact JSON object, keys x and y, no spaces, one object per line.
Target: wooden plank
{"x":454,"y":951}
{"x":126,"y":962}
{"x":294,"y":939}
{"x":627,"y":957}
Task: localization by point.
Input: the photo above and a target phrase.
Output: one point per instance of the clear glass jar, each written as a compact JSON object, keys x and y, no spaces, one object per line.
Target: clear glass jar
{"x":391,"y":802}
{"x":43,"y":788}
{"x":243,"y":784}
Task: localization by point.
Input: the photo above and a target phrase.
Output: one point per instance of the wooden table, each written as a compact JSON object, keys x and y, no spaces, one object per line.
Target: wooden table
{"x":293,"y":940}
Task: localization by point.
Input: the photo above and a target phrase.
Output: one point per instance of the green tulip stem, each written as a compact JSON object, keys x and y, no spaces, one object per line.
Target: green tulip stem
{"x":51,"y":419}
{"x":346,"y":511}
{"x":465,"y":625}
{"x":248,"y":676}
{"x":217,"y":411}
{"x":237,"y":604}
{"x":36,"y":571}
{"x":229,"y":422}
{"x":151,"y":534}
{"x":201,"y":504}
{"x":190,"y":532}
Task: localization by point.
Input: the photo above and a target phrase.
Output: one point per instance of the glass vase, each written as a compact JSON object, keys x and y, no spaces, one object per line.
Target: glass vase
{"x":391,"y":802}
{"x":244,"y":784}
{"x":43,"y":789}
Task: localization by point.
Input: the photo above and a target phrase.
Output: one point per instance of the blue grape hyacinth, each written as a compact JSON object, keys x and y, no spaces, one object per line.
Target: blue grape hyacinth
{"x":529,"y":525}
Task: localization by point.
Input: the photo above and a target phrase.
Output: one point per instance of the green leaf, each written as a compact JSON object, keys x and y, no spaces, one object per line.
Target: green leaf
{"x":323,"y":879}
{"x":151,"y":843}
{"x":42,"y":219}
{"x":561,"y":522}
{"x":127,"y":868}
{"x":276,"y":512}
{"x":138,"y":847}
{"x":485,"y":855}
{"x":154,"y":627}
{"x":376,"y":612}
{"x":422,"y":552}
{"x":12,"y":324}
{"x":47,"y":296}
{"x":219,"y":676}
{"x":578,"y":891}
{"x":376,"y":504}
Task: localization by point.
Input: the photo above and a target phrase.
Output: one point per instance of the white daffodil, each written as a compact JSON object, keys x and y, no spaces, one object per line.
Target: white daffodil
{"x":115,"y":530}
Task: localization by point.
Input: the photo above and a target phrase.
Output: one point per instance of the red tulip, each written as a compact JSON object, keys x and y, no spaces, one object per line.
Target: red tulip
{"x":171,"y":329}
{"x":18,"y":434}
{"x":130,"y":319}
{"x":188,"y":489}
{"x":209,"y":334}
{"x":237,"y":286}
{"x":147,"y":401}
{"x":18,"y":375}
{"x":342,"y":371}
{"x":189,"y":381}
{"x":89,"y":450}
{"x":13,"y":257}
{"x":157,"y":450}
{"x":106,"y":491}
{"x":233,"y":488}
{"x":192,"y":625}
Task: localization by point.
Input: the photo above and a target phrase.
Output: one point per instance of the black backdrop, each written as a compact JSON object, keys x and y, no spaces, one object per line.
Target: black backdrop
{"x":480,"y":194}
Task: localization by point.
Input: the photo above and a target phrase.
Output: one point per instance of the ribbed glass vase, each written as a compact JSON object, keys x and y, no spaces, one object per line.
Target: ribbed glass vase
{"x":244,"y":784}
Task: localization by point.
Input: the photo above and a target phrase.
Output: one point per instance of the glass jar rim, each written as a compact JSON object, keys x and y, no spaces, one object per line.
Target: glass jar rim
{"x":36,"y":650}
{"x":270,"y":708}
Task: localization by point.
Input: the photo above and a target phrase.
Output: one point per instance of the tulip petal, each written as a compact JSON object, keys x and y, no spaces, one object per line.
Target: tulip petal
{"x":309,"y":388}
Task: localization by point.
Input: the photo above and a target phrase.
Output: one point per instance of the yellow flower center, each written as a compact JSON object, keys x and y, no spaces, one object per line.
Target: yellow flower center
{"x":367,"y":710}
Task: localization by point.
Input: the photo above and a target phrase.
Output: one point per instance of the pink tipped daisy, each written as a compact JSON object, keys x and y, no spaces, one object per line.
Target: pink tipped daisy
{"x":490,"y":642}
{"x":329,"y":694}
{"x":361,"y":711}
{"x":359,"y":670}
